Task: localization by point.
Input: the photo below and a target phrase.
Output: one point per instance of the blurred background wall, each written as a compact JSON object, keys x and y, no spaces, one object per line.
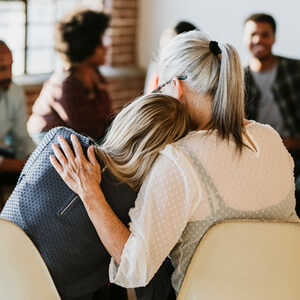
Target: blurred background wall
{"x":221,"y":20}
{"x":135,"y":30}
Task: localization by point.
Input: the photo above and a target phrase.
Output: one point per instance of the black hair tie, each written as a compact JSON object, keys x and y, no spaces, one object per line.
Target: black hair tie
{"x":214,"y":48}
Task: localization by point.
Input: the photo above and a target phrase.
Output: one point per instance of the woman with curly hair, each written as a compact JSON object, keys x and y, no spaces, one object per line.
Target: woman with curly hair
{"x":77,"y":97}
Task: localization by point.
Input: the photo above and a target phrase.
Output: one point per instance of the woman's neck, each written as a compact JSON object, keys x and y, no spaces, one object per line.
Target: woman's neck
{"x":85,"y":73}
{"x":200,"y":110}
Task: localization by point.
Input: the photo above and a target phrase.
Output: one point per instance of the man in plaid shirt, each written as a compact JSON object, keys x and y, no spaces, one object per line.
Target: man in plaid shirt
{"x":273,"y":86}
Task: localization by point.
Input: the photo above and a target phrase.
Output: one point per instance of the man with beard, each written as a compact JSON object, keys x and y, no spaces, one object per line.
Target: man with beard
{"x":15,"y":143}
{"x":273,"y":87}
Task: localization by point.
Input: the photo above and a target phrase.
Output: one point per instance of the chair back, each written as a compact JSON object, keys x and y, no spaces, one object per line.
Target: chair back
{"x":23,"y":273}
{"x":245,"y":259}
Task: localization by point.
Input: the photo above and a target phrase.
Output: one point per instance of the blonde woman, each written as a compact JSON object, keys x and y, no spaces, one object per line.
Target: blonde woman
{"x":55,"y":218}
{"x":229,"y":167}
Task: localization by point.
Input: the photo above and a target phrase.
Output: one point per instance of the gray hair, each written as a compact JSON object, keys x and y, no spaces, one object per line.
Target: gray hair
{"x":220,"y":76}
{"x":139,"y":132}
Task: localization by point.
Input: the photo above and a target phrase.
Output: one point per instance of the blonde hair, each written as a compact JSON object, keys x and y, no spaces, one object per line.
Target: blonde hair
{"x":139,"y":132}
{"x":220,"y":76}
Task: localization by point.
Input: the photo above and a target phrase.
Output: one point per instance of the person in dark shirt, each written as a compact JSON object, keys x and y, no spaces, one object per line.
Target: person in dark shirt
{"x":273,"y":87}
{"x":75,"y":97}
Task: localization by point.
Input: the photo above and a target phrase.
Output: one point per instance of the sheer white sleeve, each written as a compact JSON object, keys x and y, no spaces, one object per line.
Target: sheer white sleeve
{"x":165,"y":203}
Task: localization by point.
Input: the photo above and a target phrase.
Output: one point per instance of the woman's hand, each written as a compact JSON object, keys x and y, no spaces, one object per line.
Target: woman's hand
{"x":82,"y":175}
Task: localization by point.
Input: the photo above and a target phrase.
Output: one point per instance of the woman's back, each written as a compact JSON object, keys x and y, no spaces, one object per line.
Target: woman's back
{"x":257,"y":185}
{"x":257,"y":179}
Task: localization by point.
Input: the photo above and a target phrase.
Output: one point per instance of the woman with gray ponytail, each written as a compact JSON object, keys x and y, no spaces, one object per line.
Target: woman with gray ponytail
{"x":226,"y":168}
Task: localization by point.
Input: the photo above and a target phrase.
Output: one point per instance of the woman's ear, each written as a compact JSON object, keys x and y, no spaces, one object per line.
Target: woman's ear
{"x":178,"y":89}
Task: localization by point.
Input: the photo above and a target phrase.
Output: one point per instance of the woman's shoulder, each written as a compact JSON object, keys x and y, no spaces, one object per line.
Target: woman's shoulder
{"x":62,"y":79}
{"x":266,"y":137}
{"x":177,"y":151}
{"x":59,"y":76}
{"x":262,"y":129}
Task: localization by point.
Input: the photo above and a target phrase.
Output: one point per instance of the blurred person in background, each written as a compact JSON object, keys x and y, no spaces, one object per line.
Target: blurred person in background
{"x":273,"y":87}
{"x":75,"y":97}
{"x":15,"y":143}
{"x":151,"y":81}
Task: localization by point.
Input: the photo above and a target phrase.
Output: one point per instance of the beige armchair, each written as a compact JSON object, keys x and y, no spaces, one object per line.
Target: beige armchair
{"x":23,"y":273}
{"x":245,"y":259}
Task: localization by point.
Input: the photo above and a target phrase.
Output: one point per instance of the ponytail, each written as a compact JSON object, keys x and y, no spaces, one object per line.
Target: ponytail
{"x":212,"y":69}
{"x":228,"y":99}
